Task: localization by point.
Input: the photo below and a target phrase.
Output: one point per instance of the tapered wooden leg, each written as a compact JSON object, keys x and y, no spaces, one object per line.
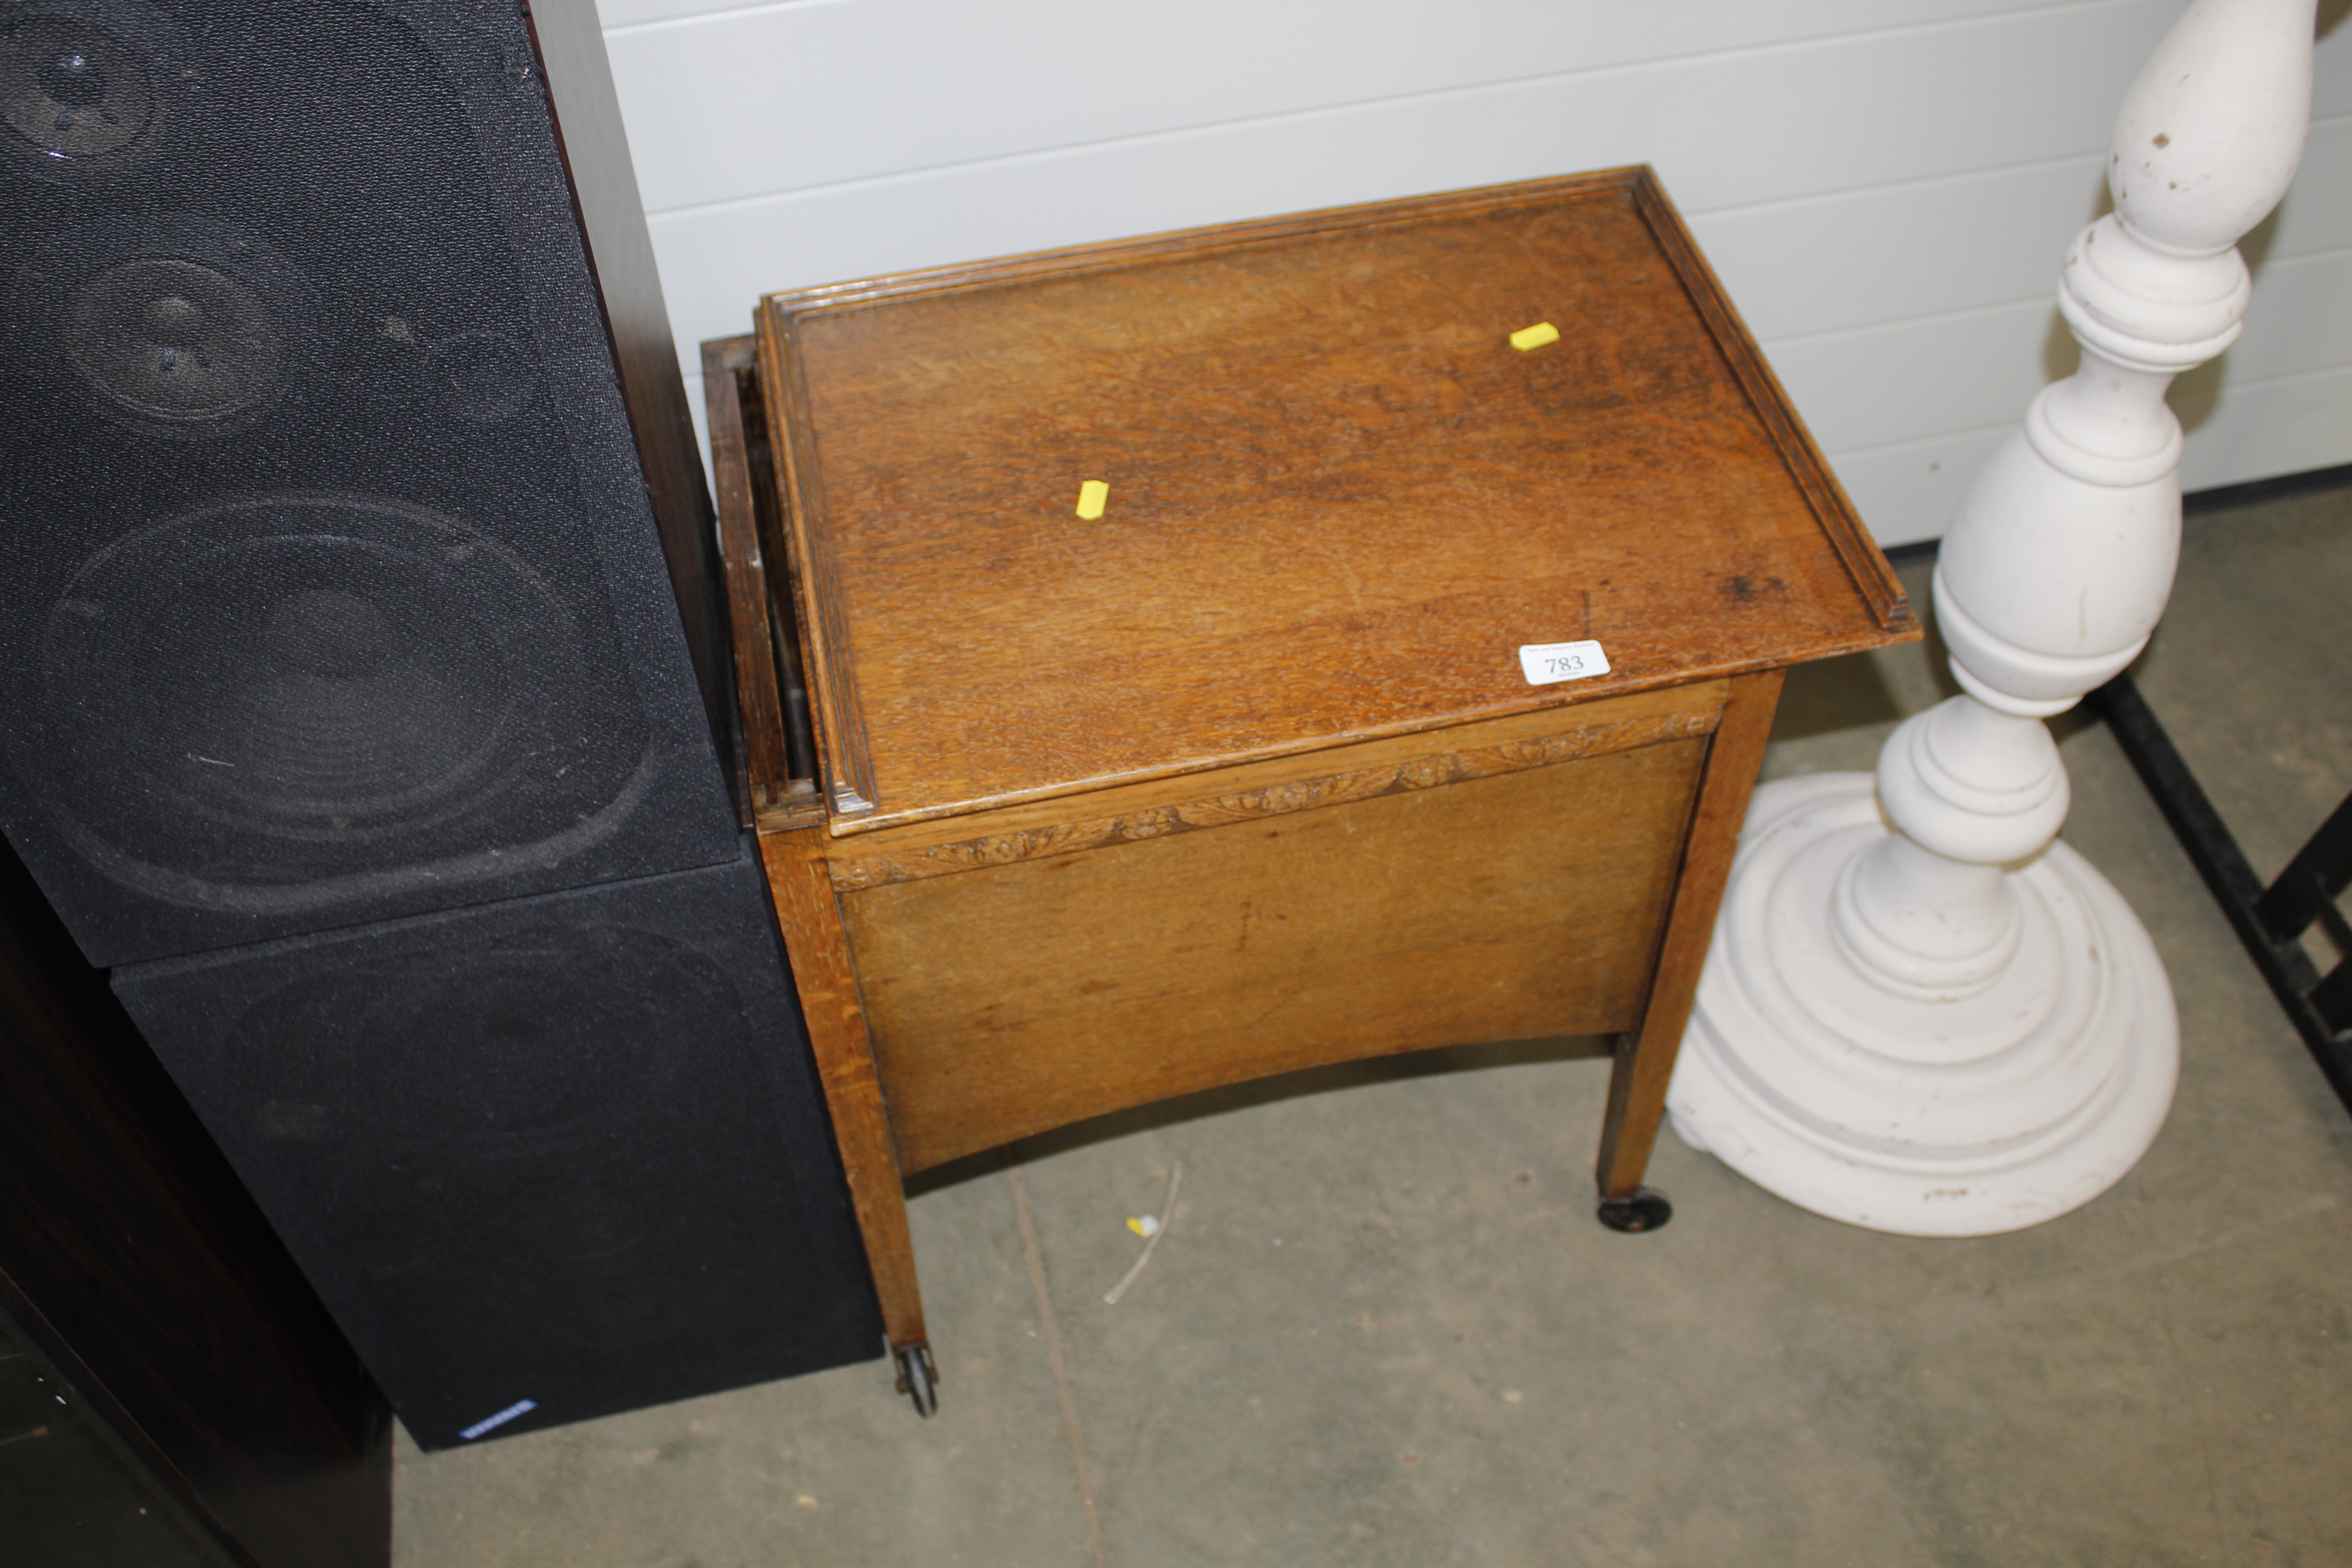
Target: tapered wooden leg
{"x":1646,"y":1057}
{"x":821,"y":970}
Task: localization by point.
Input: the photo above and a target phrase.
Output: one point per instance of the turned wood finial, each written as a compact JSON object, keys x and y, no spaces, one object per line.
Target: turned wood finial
{"x":2061,"y":558}
{"x":2212,"y":127}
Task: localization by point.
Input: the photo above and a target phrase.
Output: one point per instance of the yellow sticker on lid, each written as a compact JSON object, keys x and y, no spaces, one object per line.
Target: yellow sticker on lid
{"x":1535,"y":337}
{"x":1092,"y":496}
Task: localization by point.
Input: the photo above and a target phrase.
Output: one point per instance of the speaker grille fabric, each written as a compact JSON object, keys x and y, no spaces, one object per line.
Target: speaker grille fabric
{"x":330,"y":590}
{"x":566,"y":1150}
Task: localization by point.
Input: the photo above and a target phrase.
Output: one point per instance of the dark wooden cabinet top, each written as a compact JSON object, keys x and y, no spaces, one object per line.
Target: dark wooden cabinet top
{"x":1339,"y":499}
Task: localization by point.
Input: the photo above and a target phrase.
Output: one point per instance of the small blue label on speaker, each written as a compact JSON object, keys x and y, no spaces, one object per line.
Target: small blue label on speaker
{"x":519,"y":1407}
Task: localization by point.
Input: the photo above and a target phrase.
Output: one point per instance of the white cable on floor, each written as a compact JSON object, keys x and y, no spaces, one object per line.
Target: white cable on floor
{"x":1175,"y":1176}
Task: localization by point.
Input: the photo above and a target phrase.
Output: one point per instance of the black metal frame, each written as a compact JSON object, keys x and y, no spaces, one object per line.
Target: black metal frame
{"x":2270,"y":920}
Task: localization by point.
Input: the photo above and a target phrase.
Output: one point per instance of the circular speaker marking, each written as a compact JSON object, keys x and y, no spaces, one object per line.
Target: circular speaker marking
{"x":72,"y":90}
{"x":172,"y":339}
{"x":279,"y":692}
{"x":289,"y":670}
{"x":177,"y":324}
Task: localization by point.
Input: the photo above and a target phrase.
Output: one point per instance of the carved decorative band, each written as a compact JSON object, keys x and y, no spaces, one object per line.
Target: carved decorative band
{"x":1217,"y":811}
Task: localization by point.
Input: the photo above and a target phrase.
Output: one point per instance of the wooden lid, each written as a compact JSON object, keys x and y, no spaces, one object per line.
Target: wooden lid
{"x":1339,"y":499}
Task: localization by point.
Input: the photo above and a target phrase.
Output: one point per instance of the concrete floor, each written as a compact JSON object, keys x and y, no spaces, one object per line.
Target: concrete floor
{"x":1385,"y":1328}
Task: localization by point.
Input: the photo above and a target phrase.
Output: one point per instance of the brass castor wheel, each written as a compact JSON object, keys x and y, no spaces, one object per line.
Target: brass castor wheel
{"x":918,"y":1377}
{"x":1644,"y":1211}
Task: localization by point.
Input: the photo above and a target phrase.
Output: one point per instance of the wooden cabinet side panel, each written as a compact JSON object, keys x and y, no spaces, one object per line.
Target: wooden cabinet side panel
{"x":827,"y":982}
{"x":1645,"y":1057}
{"x":1015,"y":999}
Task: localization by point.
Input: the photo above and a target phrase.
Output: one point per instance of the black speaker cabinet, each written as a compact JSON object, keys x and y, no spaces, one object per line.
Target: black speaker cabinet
{"x":546,"y":1160}
{"x":331,"y":587}
{"x":358,"y":696}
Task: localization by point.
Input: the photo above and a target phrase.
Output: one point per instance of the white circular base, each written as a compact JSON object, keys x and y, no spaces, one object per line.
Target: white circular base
{"x":1883,"y":1105}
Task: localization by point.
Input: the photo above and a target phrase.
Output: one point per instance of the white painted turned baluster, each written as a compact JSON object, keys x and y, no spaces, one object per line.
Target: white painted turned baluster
{"x":1922,"y":1013}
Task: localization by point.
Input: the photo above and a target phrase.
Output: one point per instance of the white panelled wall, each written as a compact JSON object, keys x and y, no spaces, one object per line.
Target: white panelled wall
{"x":1882,"y":183}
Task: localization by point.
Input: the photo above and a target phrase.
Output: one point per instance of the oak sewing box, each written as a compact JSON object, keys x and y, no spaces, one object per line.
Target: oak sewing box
{"x":1065,"y":814}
